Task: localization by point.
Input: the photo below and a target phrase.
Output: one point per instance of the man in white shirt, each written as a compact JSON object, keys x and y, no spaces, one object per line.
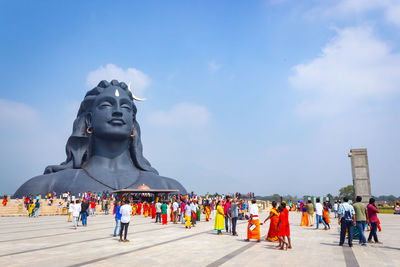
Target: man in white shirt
{"x":126,"y":211}
{"x":188,"y":215}
{"x":335,"y":208}
{"x":76,"y":210}
{"x":318,"y":213}
{"x":175,"y":207}
{"x":193,"y":209}
{"x":70,"y":210}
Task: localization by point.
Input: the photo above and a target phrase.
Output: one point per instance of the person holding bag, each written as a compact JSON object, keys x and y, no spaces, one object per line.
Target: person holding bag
{"x":253,"y":227}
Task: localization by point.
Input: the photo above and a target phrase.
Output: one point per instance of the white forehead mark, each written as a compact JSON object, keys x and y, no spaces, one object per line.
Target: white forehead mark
{"x":116,"y":93}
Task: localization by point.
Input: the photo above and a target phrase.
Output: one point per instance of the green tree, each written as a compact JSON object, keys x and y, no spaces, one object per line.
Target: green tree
{"x":389,"y":198}
{"x":288,"y":198}
{"x":347,"y":191}
{"x":330,"y":196}
{"x":276,"y":197}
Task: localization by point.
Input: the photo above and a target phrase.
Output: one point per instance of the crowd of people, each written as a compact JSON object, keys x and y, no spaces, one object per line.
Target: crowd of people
{"x":228,"y":209}
{"x":322,"y":214}
{"x":353,"y":219}
{"x":176,"y":209}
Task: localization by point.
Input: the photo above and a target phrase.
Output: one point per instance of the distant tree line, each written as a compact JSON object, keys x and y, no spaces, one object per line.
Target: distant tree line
{"x":347,"y":191}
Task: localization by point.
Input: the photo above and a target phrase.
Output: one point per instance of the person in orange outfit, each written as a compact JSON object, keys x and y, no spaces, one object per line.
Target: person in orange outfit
{"x":153,"y":210}
{"x":133,"y":209}
{"x":379,"y":225}
{"x":150,"y":207}
{"x":207,"y":210}
{"x":253,"y":227}
{"x":145,"y":209}
{"x":171,"y":214}
{"x":304,"y":217}
{"x":139,"y":209}
{"x":283,"y":227}
{"x":287,"y":226}
{"x":325,"y":215}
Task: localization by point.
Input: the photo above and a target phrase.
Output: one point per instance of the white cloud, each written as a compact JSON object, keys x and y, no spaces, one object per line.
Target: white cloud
{"x":390,"y":9}
{"x":213,"y":66}
{"x":352,"y":86}
{"x":15,"y":114}
{"x":139,"y":80}
{"x":30,"y":141}
{"x":181,"y":115}
{"x":354,"y":67}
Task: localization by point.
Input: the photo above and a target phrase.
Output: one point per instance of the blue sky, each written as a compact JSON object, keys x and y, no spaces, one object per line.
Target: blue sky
{"x":263,"y":96}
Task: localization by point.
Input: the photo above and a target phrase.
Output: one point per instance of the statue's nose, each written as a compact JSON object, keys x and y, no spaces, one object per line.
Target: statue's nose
{"x":117,"y":113}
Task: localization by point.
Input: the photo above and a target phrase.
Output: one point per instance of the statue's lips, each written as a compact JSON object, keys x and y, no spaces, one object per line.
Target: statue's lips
{"x":116,"y":122}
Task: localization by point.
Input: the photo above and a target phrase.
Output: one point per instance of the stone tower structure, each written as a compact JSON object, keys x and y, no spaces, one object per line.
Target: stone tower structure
{"x":360,"y":170}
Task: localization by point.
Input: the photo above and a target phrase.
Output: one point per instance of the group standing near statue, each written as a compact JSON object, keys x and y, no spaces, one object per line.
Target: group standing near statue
{"x":353,"y":219}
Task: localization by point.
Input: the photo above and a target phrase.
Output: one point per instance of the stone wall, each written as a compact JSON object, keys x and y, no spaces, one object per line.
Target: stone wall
{"x":16,"y":207}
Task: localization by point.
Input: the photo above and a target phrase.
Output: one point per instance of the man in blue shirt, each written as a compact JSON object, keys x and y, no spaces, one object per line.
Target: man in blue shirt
{"x":244,"y":207}
{"x":347,"y":220}
{"x":117,"y":218}
{"x":37,"y":206}
{"x":234,"y":215}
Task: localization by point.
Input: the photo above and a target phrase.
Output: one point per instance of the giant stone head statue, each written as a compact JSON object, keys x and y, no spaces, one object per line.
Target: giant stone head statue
{"x":104,"y":151}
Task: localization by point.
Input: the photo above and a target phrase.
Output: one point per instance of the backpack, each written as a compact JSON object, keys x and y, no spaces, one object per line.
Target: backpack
{"x":347,"y":216}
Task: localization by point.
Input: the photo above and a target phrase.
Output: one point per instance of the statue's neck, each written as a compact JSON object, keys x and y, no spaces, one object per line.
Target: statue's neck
{"x":110,"y":154}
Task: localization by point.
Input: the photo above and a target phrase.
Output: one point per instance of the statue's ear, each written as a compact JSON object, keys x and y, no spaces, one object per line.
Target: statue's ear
{"x":88,"y":119}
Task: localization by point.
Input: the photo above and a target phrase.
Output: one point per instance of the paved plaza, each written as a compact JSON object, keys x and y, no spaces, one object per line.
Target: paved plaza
{"x":51,"y":241}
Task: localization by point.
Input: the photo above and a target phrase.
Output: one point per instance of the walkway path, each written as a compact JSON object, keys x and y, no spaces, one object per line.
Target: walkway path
{"x":51,"y":241}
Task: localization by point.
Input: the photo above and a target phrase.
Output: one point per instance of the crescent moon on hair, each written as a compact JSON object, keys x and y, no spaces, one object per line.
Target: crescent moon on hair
{"x":134,"y":97}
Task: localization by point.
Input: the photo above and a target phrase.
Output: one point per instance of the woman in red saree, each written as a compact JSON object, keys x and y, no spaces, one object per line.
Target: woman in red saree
{"x":134,"y":208}
{"x":283,"y":227}
{"x":171,"y":214}
{"x":145,"y":209}
{"x":274,"y":220}
{"x":207,"y":210}
{"x":153,"y":211}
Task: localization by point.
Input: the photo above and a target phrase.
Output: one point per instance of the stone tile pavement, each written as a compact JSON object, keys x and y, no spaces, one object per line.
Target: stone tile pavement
{"x":51,"y":241}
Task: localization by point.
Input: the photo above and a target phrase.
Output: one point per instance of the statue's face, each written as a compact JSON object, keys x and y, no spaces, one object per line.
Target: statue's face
{"x":111,"y":115}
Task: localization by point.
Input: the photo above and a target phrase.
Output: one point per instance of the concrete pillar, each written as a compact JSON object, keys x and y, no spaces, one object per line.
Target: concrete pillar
{"x":360,"y":170}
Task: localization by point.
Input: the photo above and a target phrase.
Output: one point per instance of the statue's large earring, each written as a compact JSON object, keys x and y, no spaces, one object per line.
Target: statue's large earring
{"x":89,"y":130}
{"x":133,"y":133}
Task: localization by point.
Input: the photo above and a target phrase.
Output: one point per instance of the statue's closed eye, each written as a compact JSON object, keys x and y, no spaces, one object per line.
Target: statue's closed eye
{"x":126,"y":106}
{"x":105,"y":104}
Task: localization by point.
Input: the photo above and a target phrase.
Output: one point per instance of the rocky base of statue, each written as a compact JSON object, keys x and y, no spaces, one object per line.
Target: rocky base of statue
{"x":77,"y":181}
